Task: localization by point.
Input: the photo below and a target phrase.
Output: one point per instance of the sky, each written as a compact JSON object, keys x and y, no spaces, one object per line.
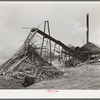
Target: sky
{"x":67,"y":23}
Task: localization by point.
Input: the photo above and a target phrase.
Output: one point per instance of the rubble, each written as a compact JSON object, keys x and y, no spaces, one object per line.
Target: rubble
{"x":27,"y":65}
{"x":32,"y":64}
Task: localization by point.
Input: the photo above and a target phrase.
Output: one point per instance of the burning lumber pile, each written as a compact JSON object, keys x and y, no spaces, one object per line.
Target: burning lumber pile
{"x":28,"y":64}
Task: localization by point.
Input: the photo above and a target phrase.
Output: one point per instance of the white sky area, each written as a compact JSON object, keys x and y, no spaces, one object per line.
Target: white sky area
{"x":67,"y":23}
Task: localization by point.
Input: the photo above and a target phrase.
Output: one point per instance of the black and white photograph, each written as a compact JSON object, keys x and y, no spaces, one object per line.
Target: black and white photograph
{"x":50,"y":45}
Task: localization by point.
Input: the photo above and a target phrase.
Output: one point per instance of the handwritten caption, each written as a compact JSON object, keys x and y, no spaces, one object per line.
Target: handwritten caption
{"x":52,"y":91}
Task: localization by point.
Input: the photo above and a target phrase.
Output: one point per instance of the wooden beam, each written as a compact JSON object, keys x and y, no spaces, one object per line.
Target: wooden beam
{"x":72,"y":53}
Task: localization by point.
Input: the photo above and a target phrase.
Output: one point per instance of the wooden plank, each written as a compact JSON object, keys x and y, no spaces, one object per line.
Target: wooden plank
{"x":11,"y":68}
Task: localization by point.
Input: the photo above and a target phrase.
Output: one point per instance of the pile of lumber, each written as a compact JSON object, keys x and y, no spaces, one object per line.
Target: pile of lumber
{"x":27,"y":62}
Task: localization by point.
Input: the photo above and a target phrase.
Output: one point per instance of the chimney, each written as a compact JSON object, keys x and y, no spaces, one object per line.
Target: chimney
{"x":87,"y":25}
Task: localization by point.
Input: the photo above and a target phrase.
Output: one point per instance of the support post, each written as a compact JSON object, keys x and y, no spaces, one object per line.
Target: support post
{"x":43,"y":38}
{"x":54,"y":48}
{"x":59,"y":53}
{"x":49,"y":42}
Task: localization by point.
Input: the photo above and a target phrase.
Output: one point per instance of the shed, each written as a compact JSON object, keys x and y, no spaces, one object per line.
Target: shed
{"x":90,"y":50}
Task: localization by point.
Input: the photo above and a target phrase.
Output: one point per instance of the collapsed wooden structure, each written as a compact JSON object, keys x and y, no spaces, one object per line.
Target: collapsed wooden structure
{"x":29,"y":50}
{"x":35,"y":60}
{"x":36,"y":56}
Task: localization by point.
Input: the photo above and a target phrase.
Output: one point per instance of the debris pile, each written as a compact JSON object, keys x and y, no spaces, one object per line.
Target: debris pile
{"x":28,"y":64}
{"x":34,"y":62}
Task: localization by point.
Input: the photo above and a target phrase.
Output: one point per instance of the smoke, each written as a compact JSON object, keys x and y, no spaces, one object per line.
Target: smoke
{"x":80,"y":31}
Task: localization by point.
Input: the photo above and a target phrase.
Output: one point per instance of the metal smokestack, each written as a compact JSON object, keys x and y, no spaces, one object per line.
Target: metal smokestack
{"x":87,"y":25}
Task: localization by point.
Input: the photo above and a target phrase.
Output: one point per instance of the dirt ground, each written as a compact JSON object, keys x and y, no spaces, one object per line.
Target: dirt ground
{"x":80,"y":77}
{"x":10,"y":83}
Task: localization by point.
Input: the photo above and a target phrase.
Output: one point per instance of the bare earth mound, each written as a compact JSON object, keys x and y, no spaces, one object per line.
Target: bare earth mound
{"x":83,"y":77}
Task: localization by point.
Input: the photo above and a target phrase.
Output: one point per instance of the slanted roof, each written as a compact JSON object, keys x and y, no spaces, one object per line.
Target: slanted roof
{"x":90,"y":48}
